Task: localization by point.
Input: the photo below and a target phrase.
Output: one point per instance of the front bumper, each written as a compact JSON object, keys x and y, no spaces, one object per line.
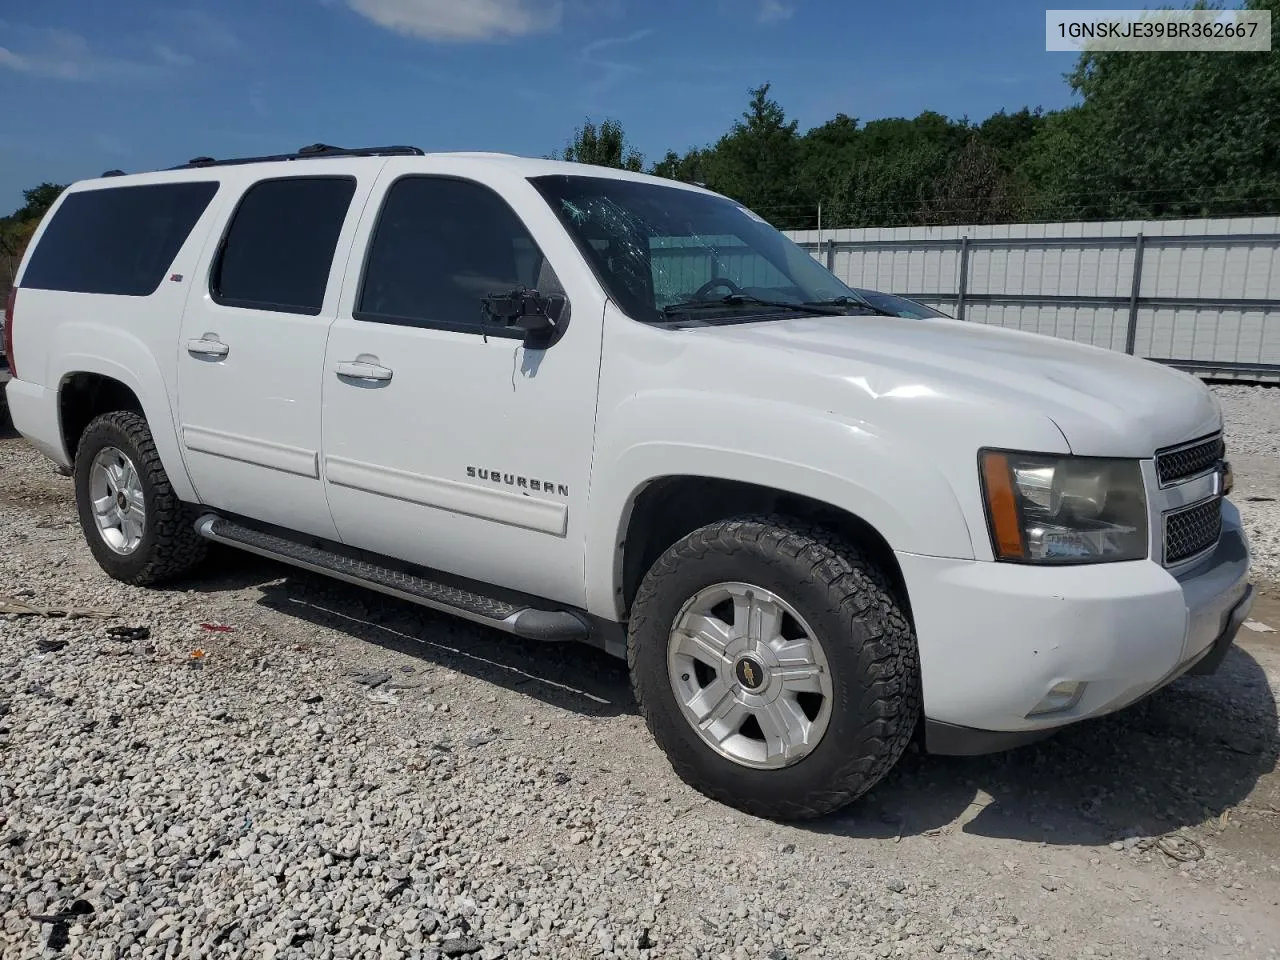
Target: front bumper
{"x":995,"y":638}
{"x":951,"y":740}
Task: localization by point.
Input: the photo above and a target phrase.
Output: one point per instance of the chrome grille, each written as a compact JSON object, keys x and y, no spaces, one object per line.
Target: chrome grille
{"x":1193,"y":530}
{"x":1178,"y":463}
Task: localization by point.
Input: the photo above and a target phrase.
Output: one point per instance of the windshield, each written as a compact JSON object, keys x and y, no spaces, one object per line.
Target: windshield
{"x":900,"y":306}
{"x":664,"y":254}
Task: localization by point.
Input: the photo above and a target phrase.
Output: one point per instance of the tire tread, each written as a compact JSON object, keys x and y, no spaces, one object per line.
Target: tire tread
{"x":888,"y":675}
{"x":175,"y":547}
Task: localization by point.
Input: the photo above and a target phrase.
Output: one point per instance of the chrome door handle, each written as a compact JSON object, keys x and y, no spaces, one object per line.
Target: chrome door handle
{"x":208,"y":347}
{"x":362,"y":370}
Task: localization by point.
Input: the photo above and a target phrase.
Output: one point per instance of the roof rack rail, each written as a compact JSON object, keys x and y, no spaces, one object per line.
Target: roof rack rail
{"x":306,"y":153}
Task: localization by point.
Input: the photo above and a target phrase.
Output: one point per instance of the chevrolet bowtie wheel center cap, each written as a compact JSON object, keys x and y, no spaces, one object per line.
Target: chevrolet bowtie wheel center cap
{"x":750,"y":673}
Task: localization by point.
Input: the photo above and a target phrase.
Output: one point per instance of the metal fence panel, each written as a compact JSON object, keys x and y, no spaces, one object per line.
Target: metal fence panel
{"x":1202,"y":294}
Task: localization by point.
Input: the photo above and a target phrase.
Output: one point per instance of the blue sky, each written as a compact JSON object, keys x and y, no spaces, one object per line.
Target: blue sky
{"x":140,"y":84}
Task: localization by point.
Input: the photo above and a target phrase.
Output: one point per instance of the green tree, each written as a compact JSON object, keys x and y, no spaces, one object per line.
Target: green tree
{"x":603,"y":146}
{"x":827,"y":154}
{"x":975,"y":187}
{"x":38,"y":200}
{"x":1169,"y":134}
{"x":687,"y":168}
{"x":756,"y":161}
{"x":17,"y":228}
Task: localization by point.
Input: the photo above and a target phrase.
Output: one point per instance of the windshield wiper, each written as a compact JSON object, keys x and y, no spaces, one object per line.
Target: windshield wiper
{"x":850,"y":302}
{"x":733,"y":299}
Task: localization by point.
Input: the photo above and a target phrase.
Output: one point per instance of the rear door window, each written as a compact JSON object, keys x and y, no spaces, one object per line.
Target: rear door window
{"x":278,"y":250}
{"x":119,"y":240}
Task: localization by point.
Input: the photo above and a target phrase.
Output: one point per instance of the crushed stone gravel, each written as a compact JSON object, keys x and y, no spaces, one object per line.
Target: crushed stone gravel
{"x":345,"y":776}
{"x":1251,"y":415}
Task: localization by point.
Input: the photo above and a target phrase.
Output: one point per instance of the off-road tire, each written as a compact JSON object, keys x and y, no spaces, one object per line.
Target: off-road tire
{"x":170,"y":546}
{"x":867,"y":638}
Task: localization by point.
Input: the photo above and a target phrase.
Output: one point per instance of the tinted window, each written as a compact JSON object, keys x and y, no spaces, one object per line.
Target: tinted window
{"x":279,"y":247}
{"x":439,"y":248}
{"x":120,"y":240}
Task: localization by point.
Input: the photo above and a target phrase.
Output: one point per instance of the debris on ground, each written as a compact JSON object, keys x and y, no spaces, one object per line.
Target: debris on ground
{"x":19,"y":609}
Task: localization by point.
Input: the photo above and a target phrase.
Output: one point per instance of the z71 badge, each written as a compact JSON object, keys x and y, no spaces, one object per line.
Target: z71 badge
{"x":517,"y":481}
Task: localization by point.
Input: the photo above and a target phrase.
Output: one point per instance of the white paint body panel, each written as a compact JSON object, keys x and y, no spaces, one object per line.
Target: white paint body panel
{"x":877,"y":416}
{"x":251,"y":421}
{"x":396,"y":453}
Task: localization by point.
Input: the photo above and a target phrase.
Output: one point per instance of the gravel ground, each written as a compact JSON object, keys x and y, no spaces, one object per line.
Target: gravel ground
{"x":1252,"y":416}
{"x":288,"y":767}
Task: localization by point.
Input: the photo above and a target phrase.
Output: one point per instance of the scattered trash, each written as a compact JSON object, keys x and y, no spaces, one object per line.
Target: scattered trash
{"x":979,"y":803}
{"x":20,"y":609}
{"x":197,"y":654}
{"x":1257,"y":626}
{"x":217,"y":628}
{"x":62,"y":920}
{"x":312,"y":698}
{"x":136,"y":634}
{"x":383,"y":696}
{"x":371,"y":680}
{"x":50,"y":645}
{"x":1181,"y":848}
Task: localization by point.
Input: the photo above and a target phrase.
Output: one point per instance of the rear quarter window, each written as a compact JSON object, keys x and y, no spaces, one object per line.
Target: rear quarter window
{"x":119,"y":240}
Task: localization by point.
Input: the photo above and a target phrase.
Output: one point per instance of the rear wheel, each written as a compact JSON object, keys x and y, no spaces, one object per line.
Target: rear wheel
{"x":136,"y":527}
{"x":774,"y":666}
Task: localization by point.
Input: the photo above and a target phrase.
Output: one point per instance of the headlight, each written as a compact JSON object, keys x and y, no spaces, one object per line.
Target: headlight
{"x":1051,"y":509}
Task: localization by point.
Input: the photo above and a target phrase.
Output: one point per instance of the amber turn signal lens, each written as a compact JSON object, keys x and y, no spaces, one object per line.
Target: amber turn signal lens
{"x":1002,"y":506}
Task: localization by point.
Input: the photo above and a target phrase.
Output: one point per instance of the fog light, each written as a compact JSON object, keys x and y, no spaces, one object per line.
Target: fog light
{"x":1062,"y":696}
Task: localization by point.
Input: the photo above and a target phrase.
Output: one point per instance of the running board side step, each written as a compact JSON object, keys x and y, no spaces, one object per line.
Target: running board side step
{"x":528,"y":622}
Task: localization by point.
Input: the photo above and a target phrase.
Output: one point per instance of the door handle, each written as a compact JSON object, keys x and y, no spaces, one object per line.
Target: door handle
{"x":208,"y":347}
{"x":362,"y":370}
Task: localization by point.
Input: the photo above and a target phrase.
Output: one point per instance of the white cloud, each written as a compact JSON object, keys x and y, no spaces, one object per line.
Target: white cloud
{"x":166,"y":54}
{"x":591,"y":49}
{"x":774,"y":11}
{"x":461,"y":20}
{"x":62,"y":55}
{"x":609,"y":69}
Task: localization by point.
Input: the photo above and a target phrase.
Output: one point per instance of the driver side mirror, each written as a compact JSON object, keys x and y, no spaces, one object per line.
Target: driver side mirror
{"x":526,"y":310}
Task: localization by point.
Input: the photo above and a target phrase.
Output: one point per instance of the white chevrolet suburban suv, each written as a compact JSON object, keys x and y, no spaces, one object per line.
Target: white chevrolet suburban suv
{"x":581,"y":404}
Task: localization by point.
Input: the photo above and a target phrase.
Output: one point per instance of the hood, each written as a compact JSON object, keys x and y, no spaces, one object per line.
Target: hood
{"x":1105,"y":403}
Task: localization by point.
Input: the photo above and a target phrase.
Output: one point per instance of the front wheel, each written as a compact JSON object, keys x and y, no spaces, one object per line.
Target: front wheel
{"x":137,"y":528}
{"x":774,"y":666}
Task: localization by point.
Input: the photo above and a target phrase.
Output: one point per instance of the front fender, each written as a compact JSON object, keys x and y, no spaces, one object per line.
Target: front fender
{"x":893,"y":487}
{"x":118,"y":354}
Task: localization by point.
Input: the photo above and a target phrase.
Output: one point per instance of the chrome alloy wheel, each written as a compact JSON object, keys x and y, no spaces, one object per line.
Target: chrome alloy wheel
{"x":750,"y":676}
{"x":119,"y":507}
